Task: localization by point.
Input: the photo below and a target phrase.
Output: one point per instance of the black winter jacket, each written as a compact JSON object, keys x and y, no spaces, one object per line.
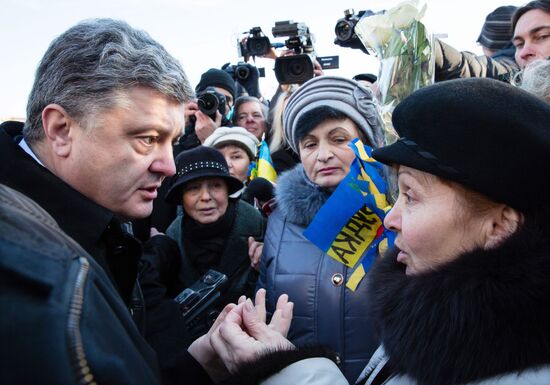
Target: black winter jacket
{"x":99,"y":233}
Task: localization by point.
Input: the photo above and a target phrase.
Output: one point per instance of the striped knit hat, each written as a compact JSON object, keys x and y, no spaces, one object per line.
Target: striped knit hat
{"x":342,"y":94}
{"x":497,"y":30}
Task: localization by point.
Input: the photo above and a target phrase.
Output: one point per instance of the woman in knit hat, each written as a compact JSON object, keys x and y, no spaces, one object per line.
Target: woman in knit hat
{"x":320,"y":120}
{"x":238,"y":146}
{"x":464,"y":296}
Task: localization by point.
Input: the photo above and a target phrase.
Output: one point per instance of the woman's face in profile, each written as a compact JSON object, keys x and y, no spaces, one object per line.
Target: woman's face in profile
{"x":325,"y":153}
{"x":434,"y":224}
{"x":205,"y":199}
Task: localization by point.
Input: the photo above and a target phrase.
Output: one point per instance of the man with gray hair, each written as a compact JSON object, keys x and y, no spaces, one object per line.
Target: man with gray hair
{"x":106,"y":105}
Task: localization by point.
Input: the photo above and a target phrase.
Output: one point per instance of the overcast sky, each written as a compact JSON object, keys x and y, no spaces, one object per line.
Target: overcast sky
{"x":202,"y":33}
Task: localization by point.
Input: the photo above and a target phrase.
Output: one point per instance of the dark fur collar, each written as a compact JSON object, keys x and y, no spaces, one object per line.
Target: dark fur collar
{"x":486,"y":313}
{"x":297,"y":197}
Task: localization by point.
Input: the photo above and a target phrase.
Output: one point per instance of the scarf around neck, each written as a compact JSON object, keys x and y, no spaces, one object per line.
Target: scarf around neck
{"x":204,"y":243}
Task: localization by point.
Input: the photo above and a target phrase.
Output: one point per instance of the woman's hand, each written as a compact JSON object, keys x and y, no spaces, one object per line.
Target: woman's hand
{"x":255,"y":252}
{"x":244,"y":335}
{"x":204,"y":353}
{"x":153,"y":231}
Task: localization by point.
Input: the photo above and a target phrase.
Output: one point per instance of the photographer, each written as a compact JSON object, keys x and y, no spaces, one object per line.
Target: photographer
{"x":199,"y":124}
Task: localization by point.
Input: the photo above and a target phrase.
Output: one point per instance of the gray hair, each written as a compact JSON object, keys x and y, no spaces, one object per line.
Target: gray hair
{"x":535,"y":78}
{"x":248,"y":99}
{"x":87,"y":68}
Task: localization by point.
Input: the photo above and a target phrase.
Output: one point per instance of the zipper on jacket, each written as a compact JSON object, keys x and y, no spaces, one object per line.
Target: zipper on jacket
{"x":78,"y":356}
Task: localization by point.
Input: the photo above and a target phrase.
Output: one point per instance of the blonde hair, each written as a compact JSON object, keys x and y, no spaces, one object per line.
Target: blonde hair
{"x":278,"y":139}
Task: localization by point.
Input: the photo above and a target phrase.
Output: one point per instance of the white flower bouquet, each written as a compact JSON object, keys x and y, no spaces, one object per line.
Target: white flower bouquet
{"x":405,"y":49}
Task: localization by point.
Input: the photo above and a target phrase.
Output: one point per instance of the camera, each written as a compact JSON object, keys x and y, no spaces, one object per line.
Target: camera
{"x":257,"y":44}
{"x":241,"y":71}
{"x":296,"y":68}
{"x":345,"y":29}
{"x":209,"y":101}
{"x":196,"y":301}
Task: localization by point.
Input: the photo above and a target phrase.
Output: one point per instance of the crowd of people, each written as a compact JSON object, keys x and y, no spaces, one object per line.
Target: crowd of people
{"x":139,"y":246}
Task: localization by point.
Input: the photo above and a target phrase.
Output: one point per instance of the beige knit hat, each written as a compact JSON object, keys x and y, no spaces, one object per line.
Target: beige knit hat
{"x":238,"y":136}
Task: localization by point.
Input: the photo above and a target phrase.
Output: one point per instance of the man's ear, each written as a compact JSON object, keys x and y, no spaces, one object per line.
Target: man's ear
{"x":505,"y":222}
{"x":57,"y":126}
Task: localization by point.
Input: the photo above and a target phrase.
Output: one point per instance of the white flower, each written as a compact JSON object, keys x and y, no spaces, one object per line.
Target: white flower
{"x":376,"y":30}
{"x":405,"y":13}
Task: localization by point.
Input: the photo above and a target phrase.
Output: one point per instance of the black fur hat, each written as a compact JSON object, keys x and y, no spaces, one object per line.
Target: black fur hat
{"x":485,"y":134}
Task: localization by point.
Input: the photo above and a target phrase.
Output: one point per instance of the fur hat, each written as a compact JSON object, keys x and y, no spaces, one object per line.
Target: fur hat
{"x":344,"y":95}
{"x":487,"y":135}
{"x":238,"y":136}
{"x":200,"y":162}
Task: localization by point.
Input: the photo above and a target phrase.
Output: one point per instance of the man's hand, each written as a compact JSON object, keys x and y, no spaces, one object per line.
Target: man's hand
{"x":255,"y":252}
{"x":317,"y":69}
{"x":205,"y":126}
{"x":190,"y":109}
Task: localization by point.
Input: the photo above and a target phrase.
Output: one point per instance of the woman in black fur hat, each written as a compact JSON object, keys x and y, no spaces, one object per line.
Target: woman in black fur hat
{"x":464,"y":297}
{"x":212,"y":231}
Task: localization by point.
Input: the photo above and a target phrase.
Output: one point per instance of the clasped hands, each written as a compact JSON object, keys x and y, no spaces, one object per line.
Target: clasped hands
{"x":240,"y":334}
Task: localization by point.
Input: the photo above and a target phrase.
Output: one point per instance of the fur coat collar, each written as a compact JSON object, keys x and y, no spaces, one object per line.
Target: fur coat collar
{"x":298,"y":198}
{"x":483,"y":314}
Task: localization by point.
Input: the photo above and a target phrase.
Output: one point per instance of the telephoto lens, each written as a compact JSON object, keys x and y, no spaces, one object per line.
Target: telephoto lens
{"x":209,"y":101}
{"x":344,"y":30}
{"x":242,"y":72}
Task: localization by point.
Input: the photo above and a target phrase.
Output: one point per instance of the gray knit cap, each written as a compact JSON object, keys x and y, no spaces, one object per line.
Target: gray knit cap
{"x":497,"y":31}
{"x":344,"y":95}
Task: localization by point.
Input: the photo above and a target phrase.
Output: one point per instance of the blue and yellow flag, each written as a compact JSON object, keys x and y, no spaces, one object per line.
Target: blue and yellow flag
{"x":349,"y":226}
{"x":263,"y":166}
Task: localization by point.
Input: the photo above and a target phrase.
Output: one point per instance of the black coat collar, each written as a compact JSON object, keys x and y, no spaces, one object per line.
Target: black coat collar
{"x":21,"y":172}
{"x":484,"y":314}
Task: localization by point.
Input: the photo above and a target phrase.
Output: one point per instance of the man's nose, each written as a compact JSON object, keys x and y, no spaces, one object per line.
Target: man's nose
{"x":164,"y":162}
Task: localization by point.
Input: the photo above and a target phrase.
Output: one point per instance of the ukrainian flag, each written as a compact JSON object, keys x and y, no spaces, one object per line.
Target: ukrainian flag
{"x":263,"y":167}
{"x":349,"y":226}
